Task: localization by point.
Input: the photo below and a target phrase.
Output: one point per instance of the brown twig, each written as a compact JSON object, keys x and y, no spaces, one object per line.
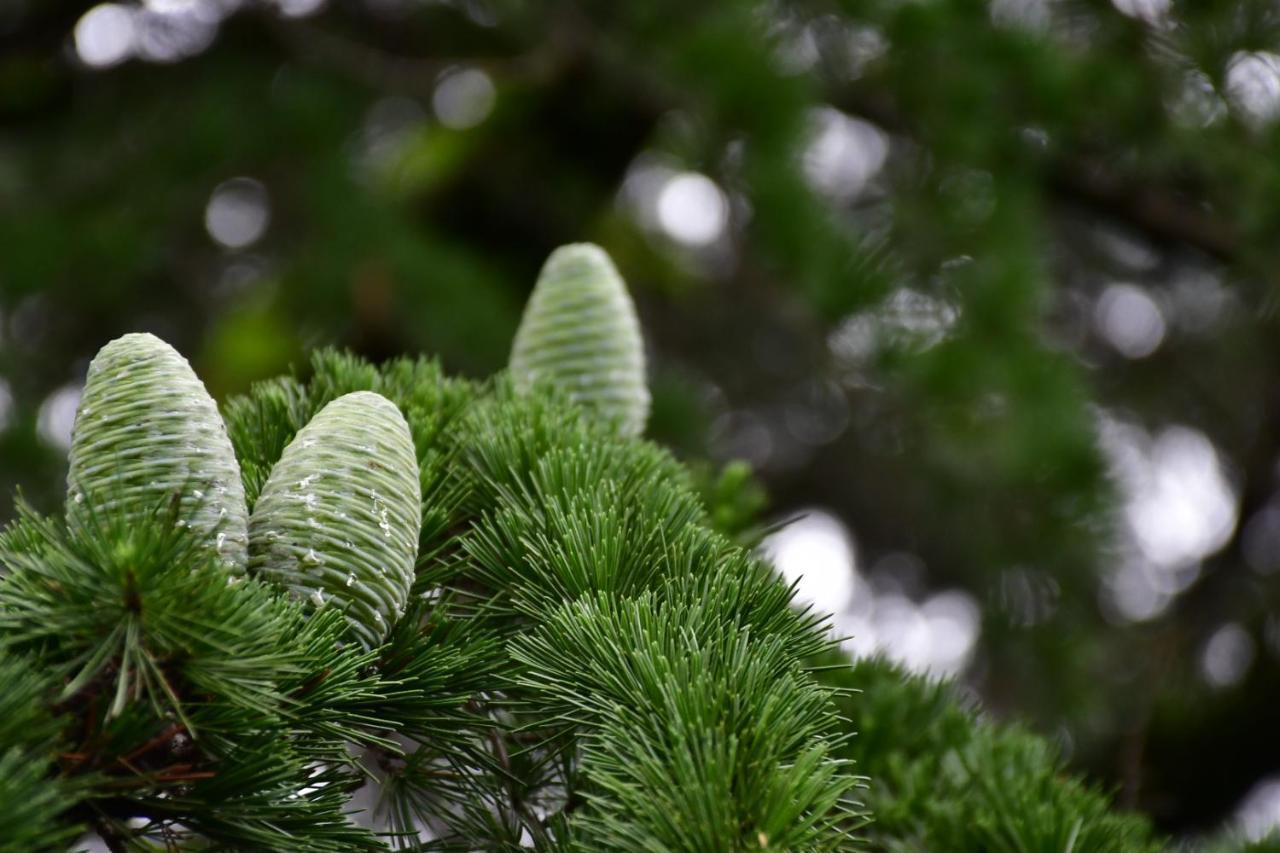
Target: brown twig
{"x":164,"y":736}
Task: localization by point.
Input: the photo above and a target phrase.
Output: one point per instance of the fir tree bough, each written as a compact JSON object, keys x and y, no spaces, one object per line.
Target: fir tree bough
{"x":570,"y":656}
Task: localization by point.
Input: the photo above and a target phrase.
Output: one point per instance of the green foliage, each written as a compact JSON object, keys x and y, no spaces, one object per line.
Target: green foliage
{"x":591,"y":552}
{"x":944,"y":778}
{"x":567,"y":559}
{"x":738,"y":728}
{"x":586,"y":662}
{"x":35,"y":812}
{"x":734,"y":498}
{"x":187,"y":693}
{"x":1034,"y":153}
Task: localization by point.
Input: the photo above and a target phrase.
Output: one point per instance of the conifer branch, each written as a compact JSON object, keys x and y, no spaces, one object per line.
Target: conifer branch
{"x":568,"y":652}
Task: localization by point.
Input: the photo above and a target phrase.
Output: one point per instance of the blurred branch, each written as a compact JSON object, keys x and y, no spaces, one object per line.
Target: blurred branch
{"x":1162,"y":214}
{"x":379,"y":69}
{"x":1156,"y":211}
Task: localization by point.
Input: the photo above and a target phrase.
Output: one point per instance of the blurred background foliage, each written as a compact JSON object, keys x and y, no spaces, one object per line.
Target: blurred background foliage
{"x":983,"y":292}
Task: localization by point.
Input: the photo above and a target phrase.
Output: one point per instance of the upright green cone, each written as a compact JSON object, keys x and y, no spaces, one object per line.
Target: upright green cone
{"x":148,"y":432}
{"x":580,"y":332}
{"x":338,"y":519}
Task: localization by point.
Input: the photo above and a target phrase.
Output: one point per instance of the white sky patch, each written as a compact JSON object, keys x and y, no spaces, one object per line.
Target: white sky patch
{"x":180,"y":7}
{"x":955,"y":620}
{"x":57,"y":415}
{"x":817,"y":551}
{"x":1130,"y":320}
{"x":238,"y":213}
{"x":937,"y":635}
{"x":463,"y":98}
{"x":844,"y":153}
{"x":1179,"y":507}
{"x":1151,"y":11}
{"x":104,"y":35}
{"x":692,"y":210}
{"x":1253,"y":85}
{"x":1138,"y":591}
{"x":173,"y":30}
{"x":1259,"y":812}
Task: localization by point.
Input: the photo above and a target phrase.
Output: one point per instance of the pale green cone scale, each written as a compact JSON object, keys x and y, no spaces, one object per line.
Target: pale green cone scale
{"x":147,"y":432}
{"x":338,"y":518}
{"x":580,"y":333}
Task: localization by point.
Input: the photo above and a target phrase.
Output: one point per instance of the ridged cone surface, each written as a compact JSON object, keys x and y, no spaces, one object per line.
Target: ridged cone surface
{"x":580,"y":332}
{"x":147,"y":430}
{"x":338,"y":519}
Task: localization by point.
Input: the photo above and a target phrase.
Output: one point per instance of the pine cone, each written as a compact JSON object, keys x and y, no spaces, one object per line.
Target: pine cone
{"x":148,"y":432}
{"x":338,"y":519}
{"x":580,"y":333}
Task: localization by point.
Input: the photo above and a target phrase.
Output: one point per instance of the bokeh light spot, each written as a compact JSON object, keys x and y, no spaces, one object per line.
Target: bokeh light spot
{"x":1130,"y":320}
{"x":876,"y":615}
{"x":955,"y":621}
{"x":1253,"y":85}
{"x":104,"y":35}
{"x":1151,"y":11}
{"x":1259,"y":812}
{"x":299,"y":8}
{"x":1227,"y":656}
{"x":1182,"y":509}
{"x":1179,"y":507}
{"x":238,"y":213}
{"x":463,"y":98}
{"x":57,"y":415}
{"x":173,"y":30}
{"x":844,"y":153}
{"x":816,"y":553}
{"x":692,"y":210}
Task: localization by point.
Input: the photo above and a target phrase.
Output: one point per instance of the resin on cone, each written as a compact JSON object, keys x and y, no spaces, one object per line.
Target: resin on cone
{"x":146,"y":433}
{"x":338,"y":519}
{"x":580,"y":333}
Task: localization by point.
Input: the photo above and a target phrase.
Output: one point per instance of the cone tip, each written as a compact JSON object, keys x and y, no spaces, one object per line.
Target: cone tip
{"x":136,"y":340}
{"x":364,"y":398}
{"x":580,"y":253}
